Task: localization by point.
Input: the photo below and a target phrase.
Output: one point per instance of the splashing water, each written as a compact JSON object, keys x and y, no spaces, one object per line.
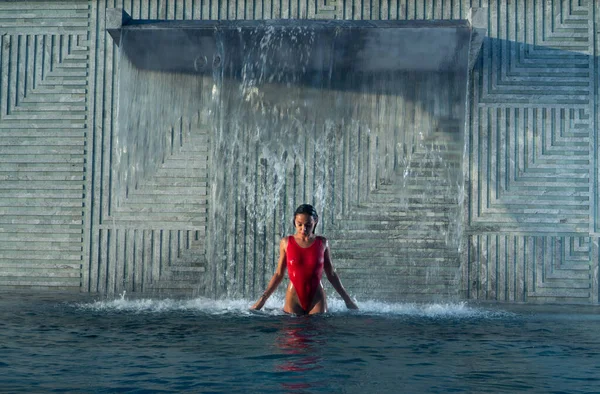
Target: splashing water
{"x":273,"y":307}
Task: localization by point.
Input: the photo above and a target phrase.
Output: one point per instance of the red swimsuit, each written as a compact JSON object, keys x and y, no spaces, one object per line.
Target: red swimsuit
{"x":305,"y":267}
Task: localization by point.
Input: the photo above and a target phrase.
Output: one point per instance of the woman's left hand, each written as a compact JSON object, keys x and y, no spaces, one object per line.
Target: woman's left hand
{"x":351,"y":304}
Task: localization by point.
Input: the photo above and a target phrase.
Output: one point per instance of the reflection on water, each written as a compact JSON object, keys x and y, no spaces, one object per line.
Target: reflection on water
{"x":302,"y":341}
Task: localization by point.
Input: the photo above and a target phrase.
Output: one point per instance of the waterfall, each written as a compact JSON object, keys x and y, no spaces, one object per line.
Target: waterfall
{"x":363,"y":121}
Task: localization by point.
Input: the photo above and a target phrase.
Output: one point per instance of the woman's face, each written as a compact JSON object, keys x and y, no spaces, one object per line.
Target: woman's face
{"x":305,"y":224}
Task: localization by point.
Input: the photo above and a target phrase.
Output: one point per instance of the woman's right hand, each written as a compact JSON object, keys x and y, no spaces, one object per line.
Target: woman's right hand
{"x":260,"y":303}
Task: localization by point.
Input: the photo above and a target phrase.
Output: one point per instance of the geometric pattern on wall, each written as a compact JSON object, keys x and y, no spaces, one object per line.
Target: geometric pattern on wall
{"x":531,"y":121}
{"x":595,"y":137}
{"x":174,"y":193}
{"x":530,"y":170}
{"x":138,"y":246}
{"x":550,"y":36}
{"x":147,"y":260}
{"x":154,"y":239}
{"x":225,"y":10}
{"x":395,"y":243}
{"x":531,"y":155}
{"x":559,"y":269}
{"x":539,"y":58}
{"x":44,"y":58}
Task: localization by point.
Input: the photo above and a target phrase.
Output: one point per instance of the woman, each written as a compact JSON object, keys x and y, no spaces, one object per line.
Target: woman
{"x":305,"y":255}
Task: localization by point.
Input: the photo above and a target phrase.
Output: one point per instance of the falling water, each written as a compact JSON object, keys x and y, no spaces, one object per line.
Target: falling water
{"x":296,"y":114}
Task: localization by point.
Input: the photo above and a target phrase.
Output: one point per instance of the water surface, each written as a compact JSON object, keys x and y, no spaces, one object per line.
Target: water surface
{"x":80,"y":344}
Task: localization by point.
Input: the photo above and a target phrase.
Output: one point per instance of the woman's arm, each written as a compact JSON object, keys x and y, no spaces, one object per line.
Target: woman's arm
{"x":277,"y":277}
{"x":335,"y":280}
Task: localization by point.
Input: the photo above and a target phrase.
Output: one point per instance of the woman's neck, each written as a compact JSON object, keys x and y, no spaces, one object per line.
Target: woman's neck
{"x":305,"y":238}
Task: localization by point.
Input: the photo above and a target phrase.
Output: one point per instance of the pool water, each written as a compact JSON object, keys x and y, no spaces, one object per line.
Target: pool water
{"x":77,"y":344}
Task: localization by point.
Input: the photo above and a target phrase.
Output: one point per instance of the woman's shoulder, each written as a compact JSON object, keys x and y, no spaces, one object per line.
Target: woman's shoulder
{"x":322,"y":239}
{"x":284,"y":240}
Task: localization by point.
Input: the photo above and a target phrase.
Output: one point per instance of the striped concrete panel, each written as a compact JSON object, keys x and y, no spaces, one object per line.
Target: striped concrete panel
{"x":145,"y":260}
{"x":46,"y":17}
{"x":535,"y":57}
{"x":160,"y":219}
{"x":536,"y":171}
{"x":403,"y":9}
{"x":529,"y":170}
{"x":174,"y":193}
{"x":224,"y":10}
{"x":531,"y":152}
{"x":595,"y":270}
{"x":396,"y":242}
{"x":595,"y":136}
{"x":559,"y":269}
{"x":168,"y":209}
{"x":399,"y":242}
{"x":44,"y":56}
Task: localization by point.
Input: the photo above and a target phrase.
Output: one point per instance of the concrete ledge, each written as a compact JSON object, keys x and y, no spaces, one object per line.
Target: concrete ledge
{"x":116,"y":18}
{"x":203,"y":47}
{"x":478,"y":20}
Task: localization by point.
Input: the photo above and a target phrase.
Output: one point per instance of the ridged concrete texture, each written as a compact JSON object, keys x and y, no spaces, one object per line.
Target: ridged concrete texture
{"x":530,"y":215}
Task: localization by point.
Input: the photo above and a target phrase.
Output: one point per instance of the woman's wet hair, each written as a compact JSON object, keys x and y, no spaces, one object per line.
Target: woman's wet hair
{"x":305,"y":209}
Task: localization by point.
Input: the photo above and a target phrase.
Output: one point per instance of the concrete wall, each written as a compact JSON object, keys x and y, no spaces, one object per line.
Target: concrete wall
{"x":532,"y":217}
